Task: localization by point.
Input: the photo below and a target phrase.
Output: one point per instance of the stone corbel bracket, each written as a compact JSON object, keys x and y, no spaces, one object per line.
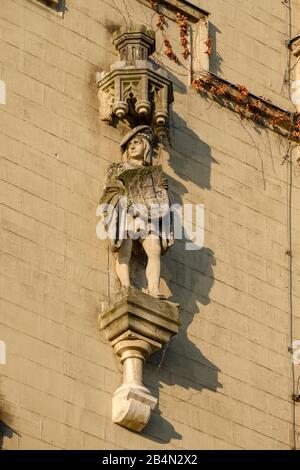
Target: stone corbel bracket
{"x":135,"y":89}
{"x":136,"y":324}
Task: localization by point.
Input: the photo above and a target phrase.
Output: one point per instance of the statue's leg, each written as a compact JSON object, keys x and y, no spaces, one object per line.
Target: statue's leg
{"x":152,"y":248}
{"x":122,"y":262}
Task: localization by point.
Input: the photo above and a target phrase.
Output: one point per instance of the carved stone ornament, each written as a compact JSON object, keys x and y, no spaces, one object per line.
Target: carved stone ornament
{"x":135,"y":89}
{"x":136,"y":325}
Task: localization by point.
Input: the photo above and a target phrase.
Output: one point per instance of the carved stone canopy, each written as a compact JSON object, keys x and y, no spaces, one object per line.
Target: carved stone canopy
{"x":135,"y":45}
{"x":135,"y":89}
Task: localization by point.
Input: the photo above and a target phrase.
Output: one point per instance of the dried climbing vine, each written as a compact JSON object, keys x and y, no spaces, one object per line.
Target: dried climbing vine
{"x":183,"y":24}
{"x":169,"y":51}
{"x":239,"y":99}
{"x":161,"y":22}
{"x":235,"y":97}
{"x":183,"y":33}
{"x":208,"y":44}
{"x":243,"y":94}
{"x":296,"y":128}
{"x":161,"y":25}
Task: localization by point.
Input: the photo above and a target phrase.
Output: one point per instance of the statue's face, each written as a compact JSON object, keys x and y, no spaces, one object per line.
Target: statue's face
{"x":136,"y":148}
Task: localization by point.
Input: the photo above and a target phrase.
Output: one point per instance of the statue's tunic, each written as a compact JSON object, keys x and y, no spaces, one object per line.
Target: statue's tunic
{"x":116,"y":191}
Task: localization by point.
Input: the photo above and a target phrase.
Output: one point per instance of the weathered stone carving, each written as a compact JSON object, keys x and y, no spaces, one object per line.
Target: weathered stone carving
{"x":136,"y":325}
{"x":136,"y":207}
{"x":133,"y":89}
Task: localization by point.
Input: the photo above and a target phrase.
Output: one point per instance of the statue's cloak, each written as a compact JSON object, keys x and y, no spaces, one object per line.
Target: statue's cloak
{"x":131,"y":192}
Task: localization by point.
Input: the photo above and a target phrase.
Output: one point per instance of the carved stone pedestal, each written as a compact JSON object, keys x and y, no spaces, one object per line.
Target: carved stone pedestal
{"x":136,"y":324}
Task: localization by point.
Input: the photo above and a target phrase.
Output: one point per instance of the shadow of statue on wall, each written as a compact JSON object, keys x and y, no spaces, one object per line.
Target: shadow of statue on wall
{"x":182,"y":363}
{"x":189,"y":276}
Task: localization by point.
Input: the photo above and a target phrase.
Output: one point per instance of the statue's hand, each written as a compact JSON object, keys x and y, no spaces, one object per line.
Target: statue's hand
{"x":165,"y":183}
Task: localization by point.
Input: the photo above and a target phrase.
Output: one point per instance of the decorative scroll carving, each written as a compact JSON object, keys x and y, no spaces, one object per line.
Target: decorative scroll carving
{"x":106,"y":99}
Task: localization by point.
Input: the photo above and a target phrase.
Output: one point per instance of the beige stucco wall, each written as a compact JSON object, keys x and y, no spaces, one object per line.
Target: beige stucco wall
{"x":225,"y":381}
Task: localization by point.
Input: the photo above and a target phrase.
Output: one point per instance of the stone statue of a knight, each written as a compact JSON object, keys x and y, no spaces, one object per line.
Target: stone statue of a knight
{"x":136,"y":207}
